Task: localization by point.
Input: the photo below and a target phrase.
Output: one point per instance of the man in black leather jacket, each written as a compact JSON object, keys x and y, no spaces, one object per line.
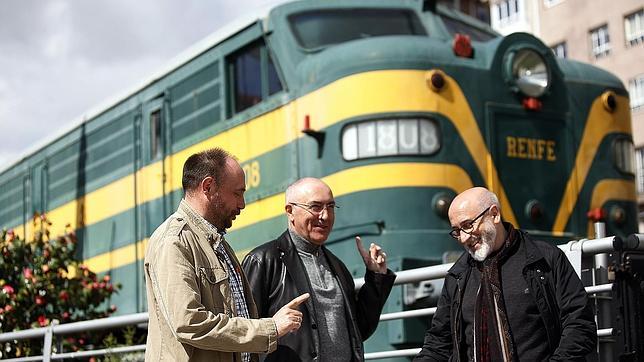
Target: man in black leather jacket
{"x":509,"y":297}
{"x":336,"y":319}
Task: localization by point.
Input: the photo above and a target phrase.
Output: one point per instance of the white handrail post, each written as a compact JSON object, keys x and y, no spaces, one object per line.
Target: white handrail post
{"x":603,"y":316}
{"x":49,"y":337}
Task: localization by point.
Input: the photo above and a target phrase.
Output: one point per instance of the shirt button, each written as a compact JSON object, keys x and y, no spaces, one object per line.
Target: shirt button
{"x":314,"y":354}
{"x":314,"y":326}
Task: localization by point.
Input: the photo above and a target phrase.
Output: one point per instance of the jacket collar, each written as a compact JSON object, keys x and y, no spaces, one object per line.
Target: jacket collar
{"x":203,"y":228}
{"x":295,"y":268}
{"x":297,"y":271}
{"x":532,"y":251}
{"x":461,"y":265}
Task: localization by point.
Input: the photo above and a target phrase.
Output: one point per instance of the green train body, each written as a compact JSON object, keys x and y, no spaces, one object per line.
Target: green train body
{"x":372,"y":98}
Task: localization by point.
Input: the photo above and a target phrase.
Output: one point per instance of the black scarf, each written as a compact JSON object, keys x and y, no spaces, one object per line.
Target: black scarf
{"x":492,"y":337}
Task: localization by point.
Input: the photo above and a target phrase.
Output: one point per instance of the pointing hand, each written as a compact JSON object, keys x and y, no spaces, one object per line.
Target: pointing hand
{"x":374,"y":259}
{"x":288,"y":319}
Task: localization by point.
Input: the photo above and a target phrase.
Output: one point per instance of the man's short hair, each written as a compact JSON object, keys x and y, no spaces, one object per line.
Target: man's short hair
{"x":491,"y":199}
{"x":200,"y":165}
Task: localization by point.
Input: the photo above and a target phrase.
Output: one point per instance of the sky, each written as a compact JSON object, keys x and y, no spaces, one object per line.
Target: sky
{"x":61,"y":58}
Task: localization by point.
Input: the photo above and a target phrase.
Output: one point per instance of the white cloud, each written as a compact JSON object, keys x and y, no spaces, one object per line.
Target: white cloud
{"x":56,"y":14}
{"x":69,"y":56}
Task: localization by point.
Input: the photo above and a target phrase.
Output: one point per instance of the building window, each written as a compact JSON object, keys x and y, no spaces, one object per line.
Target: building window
{"x":639,"y":163}
{"x":508,"y":11}
{"x":634,"y":28}
{"x":636,"y":90}
{"x":600,"y":41}
{"x":560,"y":50}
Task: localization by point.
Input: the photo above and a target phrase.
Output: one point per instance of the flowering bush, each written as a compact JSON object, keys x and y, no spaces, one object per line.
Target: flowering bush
{"x":43,"y":280}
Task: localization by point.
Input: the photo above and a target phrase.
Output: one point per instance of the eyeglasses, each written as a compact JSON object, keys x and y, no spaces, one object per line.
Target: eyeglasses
{"x":315,"y":208}
{"x":468,"y":226}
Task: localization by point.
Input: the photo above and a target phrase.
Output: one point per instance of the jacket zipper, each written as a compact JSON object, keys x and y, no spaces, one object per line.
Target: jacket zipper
{"x":457,"y":320}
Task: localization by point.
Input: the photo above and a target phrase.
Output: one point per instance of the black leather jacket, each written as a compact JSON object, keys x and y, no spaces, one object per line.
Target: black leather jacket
{"x":558,"y":294}
{"x":277,"y":275}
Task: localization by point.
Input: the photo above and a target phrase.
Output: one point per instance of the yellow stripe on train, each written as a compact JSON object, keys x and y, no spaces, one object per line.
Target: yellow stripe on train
{"x":280,"y":127}
{"x":600,"y":123}
{"x":364,"y":178}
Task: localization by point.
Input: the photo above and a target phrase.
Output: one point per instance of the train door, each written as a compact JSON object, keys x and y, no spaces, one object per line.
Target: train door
{"x":532,"y":154}
{"x":150,"y":179}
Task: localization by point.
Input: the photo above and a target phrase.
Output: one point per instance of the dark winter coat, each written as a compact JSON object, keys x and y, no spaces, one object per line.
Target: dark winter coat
{"x":557,"y":291}
{"x":277,"y":275}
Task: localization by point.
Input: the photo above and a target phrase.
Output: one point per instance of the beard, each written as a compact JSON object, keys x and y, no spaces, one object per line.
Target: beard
{"x":224,"y":222}
{"x":487,"y":237}
{"x":221,"y":218}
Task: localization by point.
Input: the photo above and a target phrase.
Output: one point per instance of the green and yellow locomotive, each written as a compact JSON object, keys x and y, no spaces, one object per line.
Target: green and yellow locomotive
{"x":397,"y":105}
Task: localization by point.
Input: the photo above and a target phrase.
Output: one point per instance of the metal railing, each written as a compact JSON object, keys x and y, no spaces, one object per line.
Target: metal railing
{"x":573,"y":249}
{"x":430,"y":311}
{"x":70,"y":328}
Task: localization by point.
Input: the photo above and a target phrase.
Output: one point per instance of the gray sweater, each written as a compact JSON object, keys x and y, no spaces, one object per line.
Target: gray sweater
{"x":327,"y":298}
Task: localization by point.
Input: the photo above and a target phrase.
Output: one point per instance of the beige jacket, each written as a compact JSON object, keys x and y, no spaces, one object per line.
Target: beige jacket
{"x":192,"y":312}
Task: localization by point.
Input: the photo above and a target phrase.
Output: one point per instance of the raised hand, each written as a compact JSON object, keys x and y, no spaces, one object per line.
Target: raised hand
{"x":288,"y":319}
{"x":375,"y":259}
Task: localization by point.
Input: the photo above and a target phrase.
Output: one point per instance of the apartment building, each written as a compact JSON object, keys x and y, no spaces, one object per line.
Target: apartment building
{"x":606,"y":33}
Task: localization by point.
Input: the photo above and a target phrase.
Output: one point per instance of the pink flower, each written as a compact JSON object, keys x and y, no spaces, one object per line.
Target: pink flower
{"x":8,"y":289}
{"x":40,"y":300}
{"x":63,"y":295}
{"x":27,"y":273}
{"x":43,"y":321}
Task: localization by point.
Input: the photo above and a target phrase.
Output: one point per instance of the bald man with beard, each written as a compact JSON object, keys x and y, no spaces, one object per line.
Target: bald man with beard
{"x":336,"y":319}
{"x":509,"y":297}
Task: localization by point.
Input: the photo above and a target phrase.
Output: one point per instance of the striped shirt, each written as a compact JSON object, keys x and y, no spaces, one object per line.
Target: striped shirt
{"x":236,"y":287}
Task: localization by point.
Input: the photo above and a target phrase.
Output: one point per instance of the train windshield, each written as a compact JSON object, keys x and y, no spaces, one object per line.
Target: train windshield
{"x":477,"y":34}
{"x":315,"y":30}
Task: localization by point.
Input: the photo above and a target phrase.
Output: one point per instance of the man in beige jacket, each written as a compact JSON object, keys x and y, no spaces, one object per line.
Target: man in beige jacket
{"x":201,"y":307}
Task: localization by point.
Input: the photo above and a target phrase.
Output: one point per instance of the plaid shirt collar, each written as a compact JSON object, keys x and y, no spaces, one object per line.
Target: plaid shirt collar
{"x":205,"y":227}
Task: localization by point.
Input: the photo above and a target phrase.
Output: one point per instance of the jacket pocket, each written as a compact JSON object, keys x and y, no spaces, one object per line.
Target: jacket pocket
{"x":213,"y":275}
{"x":215,"y":294}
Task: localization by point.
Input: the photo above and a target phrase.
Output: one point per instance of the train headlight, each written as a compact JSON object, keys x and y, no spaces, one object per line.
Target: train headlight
{"x":529,"y":72}
{"x":390,"y":137}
